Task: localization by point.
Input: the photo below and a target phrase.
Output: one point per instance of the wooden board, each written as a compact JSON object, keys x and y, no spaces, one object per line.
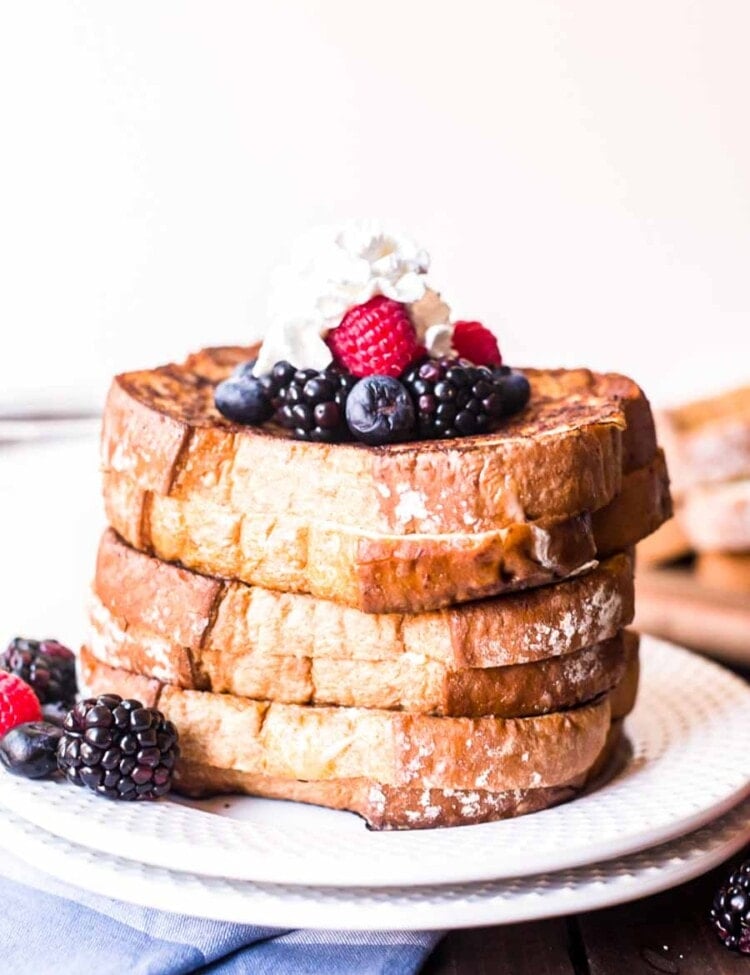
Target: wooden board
{"x":673,"y":604}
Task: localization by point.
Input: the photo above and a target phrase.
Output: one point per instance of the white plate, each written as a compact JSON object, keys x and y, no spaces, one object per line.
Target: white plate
{"x":690,"y":763}
{"x":374,"y":909}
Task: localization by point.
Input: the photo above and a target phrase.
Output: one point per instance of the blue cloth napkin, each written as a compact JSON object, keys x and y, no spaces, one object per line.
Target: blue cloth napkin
{"x":50,"y":928}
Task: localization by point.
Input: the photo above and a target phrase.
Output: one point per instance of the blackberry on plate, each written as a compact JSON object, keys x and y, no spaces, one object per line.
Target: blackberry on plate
{"x":30,"y":750}
{"x":312,"y":404}
{"x":118,"y":748}
{"x":380,"y":411}
{"x":730,"y":912}
{"x":455,"y":398}
{"x":46,"y":666}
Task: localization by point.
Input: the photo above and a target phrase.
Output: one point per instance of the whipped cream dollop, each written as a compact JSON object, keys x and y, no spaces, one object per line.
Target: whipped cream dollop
{"x":340,"y":270}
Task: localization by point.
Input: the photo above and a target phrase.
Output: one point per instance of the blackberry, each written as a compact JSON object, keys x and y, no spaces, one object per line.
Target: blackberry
{"x":312,"y":404}
{"x":730,"y":912}
{"x":46,"y":666}
{"x":455,"y":398}
{"x":119,"y":749}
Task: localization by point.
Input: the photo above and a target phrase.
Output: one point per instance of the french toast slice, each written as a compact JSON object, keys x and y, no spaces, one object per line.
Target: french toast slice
{"x":411,"y":681}
{"x":202,"y":613}
{"x":716,"y":517}
{"x":405,"y":528}
{"x":386,"y":807}
{"x":374,"y":573}
{"x":564,"y":454}
{"x":708,"y":440}
{"x":383,"y":806}
{"x":384,"y":574}
{"x":390,"y":747}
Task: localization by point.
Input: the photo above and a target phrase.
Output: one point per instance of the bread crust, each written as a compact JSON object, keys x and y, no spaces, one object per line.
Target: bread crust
{"x":199,"y":613}
{"x":563,"y":455}
{"x":643,"y":504}
{"x":390,"y":747}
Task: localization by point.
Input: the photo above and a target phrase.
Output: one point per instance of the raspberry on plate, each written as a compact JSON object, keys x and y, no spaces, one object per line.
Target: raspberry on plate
{"x":18,"y":703}
{"x":376,"y":338}
{"x":475,"y":342}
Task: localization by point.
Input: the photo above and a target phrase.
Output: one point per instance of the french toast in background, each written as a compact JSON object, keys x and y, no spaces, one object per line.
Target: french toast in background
{"x":694,"y":583}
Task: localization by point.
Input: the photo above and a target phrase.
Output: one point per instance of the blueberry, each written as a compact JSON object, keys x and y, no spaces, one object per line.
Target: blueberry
{"x":30,"y":750}
{"x":243,"y":399}
{"x":515,"y":391}
{"x":379,"y":411}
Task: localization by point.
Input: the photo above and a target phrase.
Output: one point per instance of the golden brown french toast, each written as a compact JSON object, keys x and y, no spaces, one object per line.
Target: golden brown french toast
{"x":707,"y":440}
{"x":716,"y":517}
{"x":564,"y":454}
{"x":390,"y":747}
{"x":397,"y":770}
{"x":384,"y":573}
{"x":411,"y":682}
{"x":404,"y":528}
{"x":196,"y":614}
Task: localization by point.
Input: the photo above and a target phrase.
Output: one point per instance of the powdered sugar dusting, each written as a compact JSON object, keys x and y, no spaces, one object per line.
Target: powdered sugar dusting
{"x":411,"y":504}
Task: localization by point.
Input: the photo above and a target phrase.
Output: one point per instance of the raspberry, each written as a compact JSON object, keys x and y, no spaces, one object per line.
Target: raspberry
{"x":472,"y":341}
{"x":376,"y":339}
{"x":18,"y":703}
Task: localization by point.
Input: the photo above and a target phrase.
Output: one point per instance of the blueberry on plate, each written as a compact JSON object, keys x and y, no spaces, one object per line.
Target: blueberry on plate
{"x":30,"y":750}
{"x":380,"y":411}
{"x":244,"y":398}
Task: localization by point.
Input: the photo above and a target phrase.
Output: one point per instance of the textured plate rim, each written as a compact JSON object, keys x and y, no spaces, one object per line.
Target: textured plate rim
{"x":175,"y":836}
{"x":526,"y":899}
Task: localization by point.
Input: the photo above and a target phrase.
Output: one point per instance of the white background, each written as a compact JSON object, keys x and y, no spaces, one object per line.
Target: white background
{"x":579,"y":170}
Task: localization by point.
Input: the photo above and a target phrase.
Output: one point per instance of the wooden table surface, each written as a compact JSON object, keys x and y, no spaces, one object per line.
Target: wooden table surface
{"x":668,"y":933}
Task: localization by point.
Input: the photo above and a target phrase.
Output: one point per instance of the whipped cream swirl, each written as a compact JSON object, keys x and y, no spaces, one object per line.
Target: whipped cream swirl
{"x":344,"y":269}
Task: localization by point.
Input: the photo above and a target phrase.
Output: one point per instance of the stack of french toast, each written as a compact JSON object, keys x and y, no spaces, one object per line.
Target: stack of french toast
{"x":428,"y":633}
{"x":708,"y":445}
